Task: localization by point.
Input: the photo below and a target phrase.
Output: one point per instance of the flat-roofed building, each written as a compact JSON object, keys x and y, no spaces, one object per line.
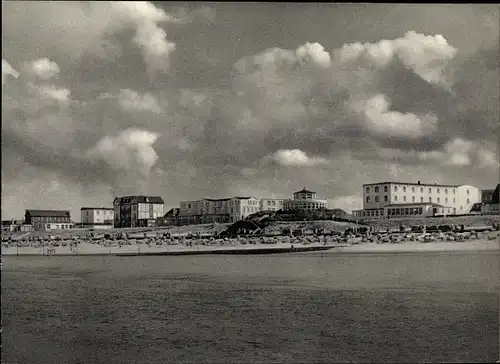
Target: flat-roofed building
{"x":271,"y":204}
{"x":44,"y":220}
{"x":221,"y":210}
{"x":453,"y":199}
{"x":304,"y":200}
{"x":97,"y":217}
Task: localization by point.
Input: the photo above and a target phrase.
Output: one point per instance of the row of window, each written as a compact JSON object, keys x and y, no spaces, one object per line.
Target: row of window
{"x":305,"y":205}
{"x":386,"y":199}
{"x":62,"y":226}
{"x":386,"y":189}
{"x":206,"y":204}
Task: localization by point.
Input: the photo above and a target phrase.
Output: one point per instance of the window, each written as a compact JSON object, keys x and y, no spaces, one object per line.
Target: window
{"x":376,"y":188}
{"x":395,"y":198}
{"x":420,"y":211}
{"x":386,"y":198}
{"x":453,"y":191}
{"x":396,"y":188}
{"x":454,"y":200}
{"x":446,"y":199}
{"x":386,"y":188}
{"x":404,"y":198}
{"x":413,"y":189}
{"x":468,"y":201}
{"x":404,"y":188}
{"x":430,"y":190}
{"x":430,"y":199}
{"x":439,"y":200}
{"x":438,"y":190}
{"x":367,"y":198}
{"x":446,"y":191}
{"x":97,"y":212}
{"x":467,"y":192}
{"x":421,"y":190}
{"x":413,"y":199}
{"x":367,"y":189}
{"x":377,"y":199}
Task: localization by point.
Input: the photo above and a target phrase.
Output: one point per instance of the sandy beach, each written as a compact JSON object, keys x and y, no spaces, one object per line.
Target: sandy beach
{"x":85,"y":248}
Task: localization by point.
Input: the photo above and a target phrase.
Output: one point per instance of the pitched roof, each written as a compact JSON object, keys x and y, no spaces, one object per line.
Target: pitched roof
{"x":48,"y":213}
{"x":96,"y":208}
{"x":139,"y":199}
{"x":304,"y":191}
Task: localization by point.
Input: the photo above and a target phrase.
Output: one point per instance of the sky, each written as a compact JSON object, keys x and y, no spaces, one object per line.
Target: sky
{"x":194,"y":100}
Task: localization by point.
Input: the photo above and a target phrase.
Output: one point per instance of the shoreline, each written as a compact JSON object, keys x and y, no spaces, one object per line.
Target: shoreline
{"x":239,"y":249}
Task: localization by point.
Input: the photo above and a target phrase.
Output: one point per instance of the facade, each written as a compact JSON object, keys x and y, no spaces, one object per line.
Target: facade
{"x":43,"y":220}
{"x":97,"y":217}
{"x":170,"y":218}
{"x":487,"y":196}
{"x":12,"y":225}
{"x":451,"y":199}
{"x":271,"y":204}
{"x":137,"y":211}
{"x":304,"y":200}
{"x":223,"y":210}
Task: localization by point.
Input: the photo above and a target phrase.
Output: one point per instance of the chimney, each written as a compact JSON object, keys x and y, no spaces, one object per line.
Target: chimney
{"x":418,"y":182}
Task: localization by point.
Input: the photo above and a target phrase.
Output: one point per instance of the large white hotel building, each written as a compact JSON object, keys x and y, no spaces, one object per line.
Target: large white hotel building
{"x":402,"y":199}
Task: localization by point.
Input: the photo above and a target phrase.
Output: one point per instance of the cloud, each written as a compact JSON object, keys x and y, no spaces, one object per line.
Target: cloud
{"x":314,"y":52}
{"x":426,"y":55}
{"x":51,"y":92}
{"x":131,"y":100}
{"x":296,"y":158}
{"x":43,"y":68}
{"x":381,"y":120}
{"x":8,"y":70}
{"x":130,"y":148}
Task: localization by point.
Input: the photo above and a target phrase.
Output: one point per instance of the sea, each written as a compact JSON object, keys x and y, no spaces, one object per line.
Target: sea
{"x":321,"y":307}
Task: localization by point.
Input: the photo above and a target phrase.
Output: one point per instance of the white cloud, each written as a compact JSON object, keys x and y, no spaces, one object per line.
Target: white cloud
{"x":51,"y":92}
{"x":296,"y":157}
{"x":488,"y":157}
{"x":44,"y":68}
{"x":426,"y":55}
{"x":129,"y":149}
{"x":133,"y":101}
{"x":313,"y":52}
{"x":7,"y":69}
{"x":381,"y":120}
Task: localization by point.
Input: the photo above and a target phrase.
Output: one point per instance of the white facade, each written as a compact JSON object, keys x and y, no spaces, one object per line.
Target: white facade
{"x":271,"y":204}
{"x":149,"y":210}
{"x":97,"y":216}
{"x":304,"y":200}
{"x":459,"y":198}
{"x":58,"y":226}
{"x":236,"y":208}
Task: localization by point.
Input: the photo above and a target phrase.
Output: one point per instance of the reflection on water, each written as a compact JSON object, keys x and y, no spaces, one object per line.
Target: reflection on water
{"x":315,"y":307}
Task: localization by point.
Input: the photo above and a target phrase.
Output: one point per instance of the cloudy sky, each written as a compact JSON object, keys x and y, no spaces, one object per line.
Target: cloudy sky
{"x":211,"y":100}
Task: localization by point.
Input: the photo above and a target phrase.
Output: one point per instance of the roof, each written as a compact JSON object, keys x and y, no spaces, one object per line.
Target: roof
{"x":216,"y":199}
{"x":304,"y":191}
{"x":172,"y":212}
{"x":96,"y":208}
{"x":410,"y":184}
{"x":48,"y":213}
{"x":414,"y":204}
{"x":139,"y":199}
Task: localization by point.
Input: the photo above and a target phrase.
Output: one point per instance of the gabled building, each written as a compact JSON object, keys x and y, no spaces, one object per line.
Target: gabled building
{"x":45,"y":220}
{"x":137,"y":211}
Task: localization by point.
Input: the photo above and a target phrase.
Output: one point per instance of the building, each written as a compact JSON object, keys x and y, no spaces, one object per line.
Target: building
{"x":45,"y":220}
{"x":440,"y":199}
{"x":271,"y":204}
{"x":222,"y":210}
{"x":11,"y":225}
{"x":97,"y":217}
{"x":170,"y":218}
{"x":487,"y":196}
{"x":304,"y":200}
{"x":489,"y":204}
{"x":137,"y":211}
